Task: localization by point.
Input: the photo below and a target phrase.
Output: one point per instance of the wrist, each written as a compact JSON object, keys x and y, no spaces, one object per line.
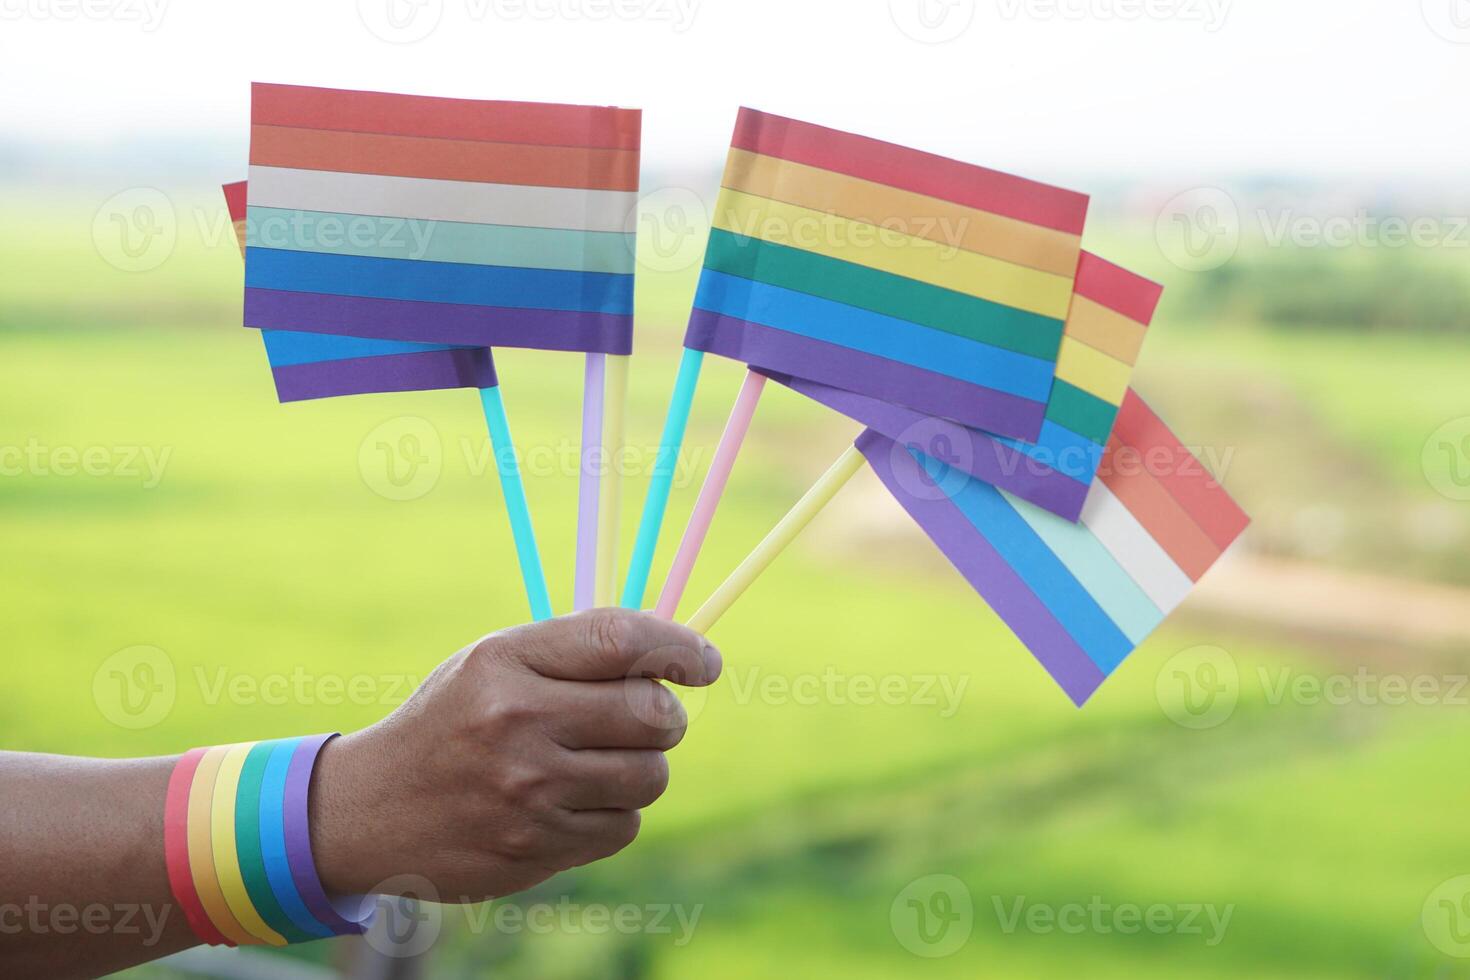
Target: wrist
{"x":347,"y":859}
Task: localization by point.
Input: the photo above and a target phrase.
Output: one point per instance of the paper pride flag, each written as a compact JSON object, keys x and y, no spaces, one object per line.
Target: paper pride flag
{"x":1109,"y":317}
{"x":1080,"y":596}
{"x":322,"y":365}
{"x":443,"y":221}
{"x":890,"y":272}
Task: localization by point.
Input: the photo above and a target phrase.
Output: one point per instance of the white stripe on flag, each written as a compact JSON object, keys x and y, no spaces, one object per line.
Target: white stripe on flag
{"x":1143,"y":558}
{"x":443,"y":200}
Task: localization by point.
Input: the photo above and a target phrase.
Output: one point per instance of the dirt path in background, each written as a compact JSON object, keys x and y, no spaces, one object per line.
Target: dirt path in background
{"x":1348,"y":614}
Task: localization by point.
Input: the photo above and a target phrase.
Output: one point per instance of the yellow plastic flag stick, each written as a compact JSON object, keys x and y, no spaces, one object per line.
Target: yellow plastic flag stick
{"x":781,"y":535}
{"x":610,"y":502}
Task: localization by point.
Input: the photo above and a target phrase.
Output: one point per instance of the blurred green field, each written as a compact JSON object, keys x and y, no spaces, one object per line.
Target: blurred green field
{"x":793,"y":824}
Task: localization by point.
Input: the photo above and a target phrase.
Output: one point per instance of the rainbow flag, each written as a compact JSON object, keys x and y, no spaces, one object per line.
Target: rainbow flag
{"x":890,"y":272}
{"x":323,"y":365}
{"x":1106,"y":324}
{"x":1081,"y":596}
{"x":441,"y":221}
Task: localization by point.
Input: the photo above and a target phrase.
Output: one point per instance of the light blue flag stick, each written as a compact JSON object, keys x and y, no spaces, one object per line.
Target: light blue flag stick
{"x":662,"y":484}
{"x":515,"y":503}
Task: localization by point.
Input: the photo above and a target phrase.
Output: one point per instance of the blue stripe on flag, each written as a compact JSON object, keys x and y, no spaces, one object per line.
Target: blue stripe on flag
{"x":873,"y":333}
{"x":288,"y":347}
{"x":438,"y":282}
{"x":1043,"y":572}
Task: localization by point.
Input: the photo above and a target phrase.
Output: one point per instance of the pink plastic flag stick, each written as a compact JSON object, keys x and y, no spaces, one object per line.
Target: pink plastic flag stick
{"x":710,"y":493}
{"x":585,"y":588}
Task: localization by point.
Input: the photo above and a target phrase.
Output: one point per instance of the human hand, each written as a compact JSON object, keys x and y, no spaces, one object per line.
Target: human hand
{"x":526,"y":753}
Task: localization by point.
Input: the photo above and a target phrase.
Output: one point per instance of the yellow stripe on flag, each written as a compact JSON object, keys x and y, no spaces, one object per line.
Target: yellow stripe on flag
{"x":888,"y":250}
{"x":946,"y":222}
{"x":1093,"y":371}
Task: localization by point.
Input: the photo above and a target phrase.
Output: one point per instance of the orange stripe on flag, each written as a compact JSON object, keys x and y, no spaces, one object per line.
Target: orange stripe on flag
{"x":1127,"y":474}
{"x":444,"y":159}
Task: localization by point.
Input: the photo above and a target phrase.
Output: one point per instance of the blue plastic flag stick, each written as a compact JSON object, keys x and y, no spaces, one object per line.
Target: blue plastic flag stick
{"x":662,"y":484}
{"x":515,"y":503}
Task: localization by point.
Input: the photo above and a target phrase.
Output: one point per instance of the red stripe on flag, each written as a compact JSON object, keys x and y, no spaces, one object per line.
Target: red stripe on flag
{"x":910,"y":169}
{"x":547,"y":124}
{"x":1187,"y":481}
{"x":1128,"y":474}
{"x":1118,"y":289}
{"x":235,"y":200}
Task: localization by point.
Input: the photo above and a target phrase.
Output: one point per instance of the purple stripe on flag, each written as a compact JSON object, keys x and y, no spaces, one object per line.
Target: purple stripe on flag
{"x":969,"y":551}
{"x":439,"y":323}
{"x":956,"y":445}
{"x":878,"y":377}
{"x":422,"y":371}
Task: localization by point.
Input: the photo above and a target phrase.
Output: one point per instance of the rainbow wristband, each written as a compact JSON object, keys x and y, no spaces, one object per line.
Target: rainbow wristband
{"x":237,"y":846}
{"x":351,"y":916}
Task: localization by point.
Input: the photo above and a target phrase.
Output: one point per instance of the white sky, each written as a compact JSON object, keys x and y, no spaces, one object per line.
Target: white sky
{"x":1040,"y":86}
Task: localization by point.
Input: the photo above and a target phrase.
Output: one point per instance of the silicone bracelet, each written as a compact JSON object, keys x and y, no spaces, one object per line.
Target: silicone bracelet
{"x":247,"y":846}
{"x":342,"y":919}
{"x":176,"y":849}
{"x":273,"y":839}
{"x":226,"y":857}
{"x":201,"y":852}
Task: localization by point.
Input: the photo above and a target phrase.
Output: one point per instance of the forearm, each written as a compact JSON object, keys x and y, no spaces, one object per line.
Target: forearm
{"x":83,"y":885}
